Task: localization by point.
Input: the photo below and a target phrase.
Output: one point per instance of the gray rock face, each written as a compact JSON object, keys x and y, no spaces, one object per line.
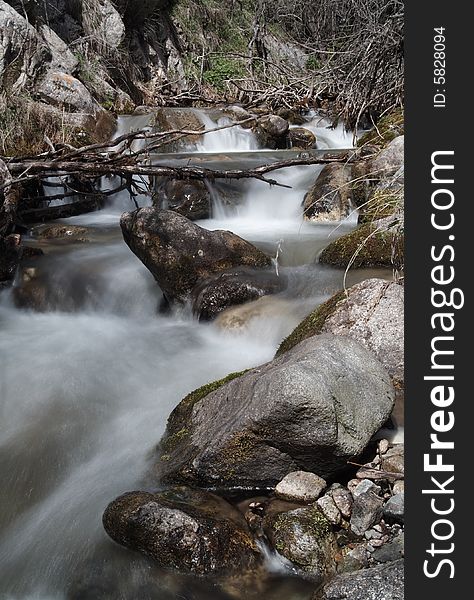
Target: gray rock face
{"x":104,"y":23}
{"x":373,"y":314}
{"x":385,"y":582}
{"x":389,"y":160}
{"x":188,"y":530}
{"x":309,"y":409}
{"x":304,"y":537}
{"x":179,"y":253}
{"x":23,"y":53}
{"x":63,"y":90}
{"x":231,"y":288}
{"x":62,"y":59}
{"x":329,"y":199}
{"x":300,"y":486}
{"x":272,"y":132}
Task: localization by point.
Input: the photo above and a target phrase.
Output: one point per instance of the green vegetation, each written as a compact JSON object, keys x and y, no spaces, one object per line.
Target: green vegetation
{"x":221,"y":70}
{"x":388,"y":128}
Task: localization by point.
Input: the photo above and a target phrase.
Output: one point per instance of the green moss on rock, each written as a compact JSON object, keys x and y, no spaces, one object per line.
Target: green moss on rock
{"x":179,"y":418}
{"x":366,"y":246}
{"x":312,"y":324}
{"x":388,"y":128}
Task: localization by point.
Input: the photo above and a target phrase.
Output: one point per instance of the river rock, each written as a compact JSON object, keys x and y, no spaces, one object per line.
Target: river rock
{"x":366,"y":511}
{"x":10,"y":254}
{"x":171,"y":119}
{"x":329,"y":509}
{"x":394,"y":509}
{"x":59,"y":231}
{"x":300,"y":137}
{"x":304,"y":537}
{"x":376,"y":244}
{"x":329,"y":199}
{"x":384,"y":582}
{"x":371,"y":312}
{"x":300,"y":486}
{"x":310,"y":409}
{"x":183,"y":529}
{"x":191,"y":198}
{"x":65,"y":91}
{"x":342,"y":499}
{"x":218,"y":292}
{"x":389,"y":160}
{"x":272,"y":132}
{"x":391,"y":551}
{"x":179,"y":253}
{"x":393,"y":460}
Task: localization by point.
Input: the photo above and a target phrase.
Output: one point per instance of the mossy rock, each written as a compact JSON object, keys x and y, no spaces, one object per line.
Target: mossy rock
{"x":367,"y":246}
{"x":179,"y":419}
{"x":312,"y":324}
{"x":304,"y":536}
{"x":388,"y":128}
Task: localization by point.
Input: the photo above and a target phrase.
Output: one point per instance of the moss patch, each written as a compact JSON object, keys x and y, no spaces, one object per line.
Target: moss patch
{"x":388,"y":128}
{"x":366,"y":247}
{"x":179,"y":418}
{"x":312,"y":324}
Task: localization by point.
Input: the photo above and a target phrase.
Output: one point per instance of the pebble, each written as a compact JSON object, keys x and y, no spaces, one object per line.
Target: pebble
{"x":366,"y":512}
{"x":300,"y":486}
{"x":394,"y":509}
{"x":342,"y":499}
{"x":384,"y":445}
{"x":366,"y":486}
{"x":329,"y":509}
{"x":398,"y":487}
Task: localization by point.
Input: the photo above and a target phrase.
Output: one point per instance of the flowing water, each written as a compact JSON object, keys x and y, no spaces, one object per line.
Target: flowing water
{"x":86,"y":385}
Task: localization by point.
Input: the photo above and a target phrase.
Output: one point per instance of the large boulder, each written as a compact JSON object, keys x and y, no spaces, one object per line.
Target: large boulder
{"x":384,"y":582}
{"x":218,"y":292}
{"x":304,"y":537}
{"x":180,"y":254}
{"x":183,"y":529}
{"x":370,"y":312}
{"x":272,"y":132}
{"x":311,"y":409}
{"x":329,"y":199}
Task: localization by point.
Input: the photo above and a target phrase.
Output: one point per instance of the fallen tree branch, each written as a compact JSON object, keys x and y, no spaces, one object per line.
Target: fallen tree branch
{"x":49,"y":168}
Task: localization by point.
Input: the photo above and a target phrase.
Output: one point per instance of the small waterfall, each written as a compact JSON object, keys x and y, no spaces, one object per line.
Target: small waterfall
{"x":233,"y":139}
